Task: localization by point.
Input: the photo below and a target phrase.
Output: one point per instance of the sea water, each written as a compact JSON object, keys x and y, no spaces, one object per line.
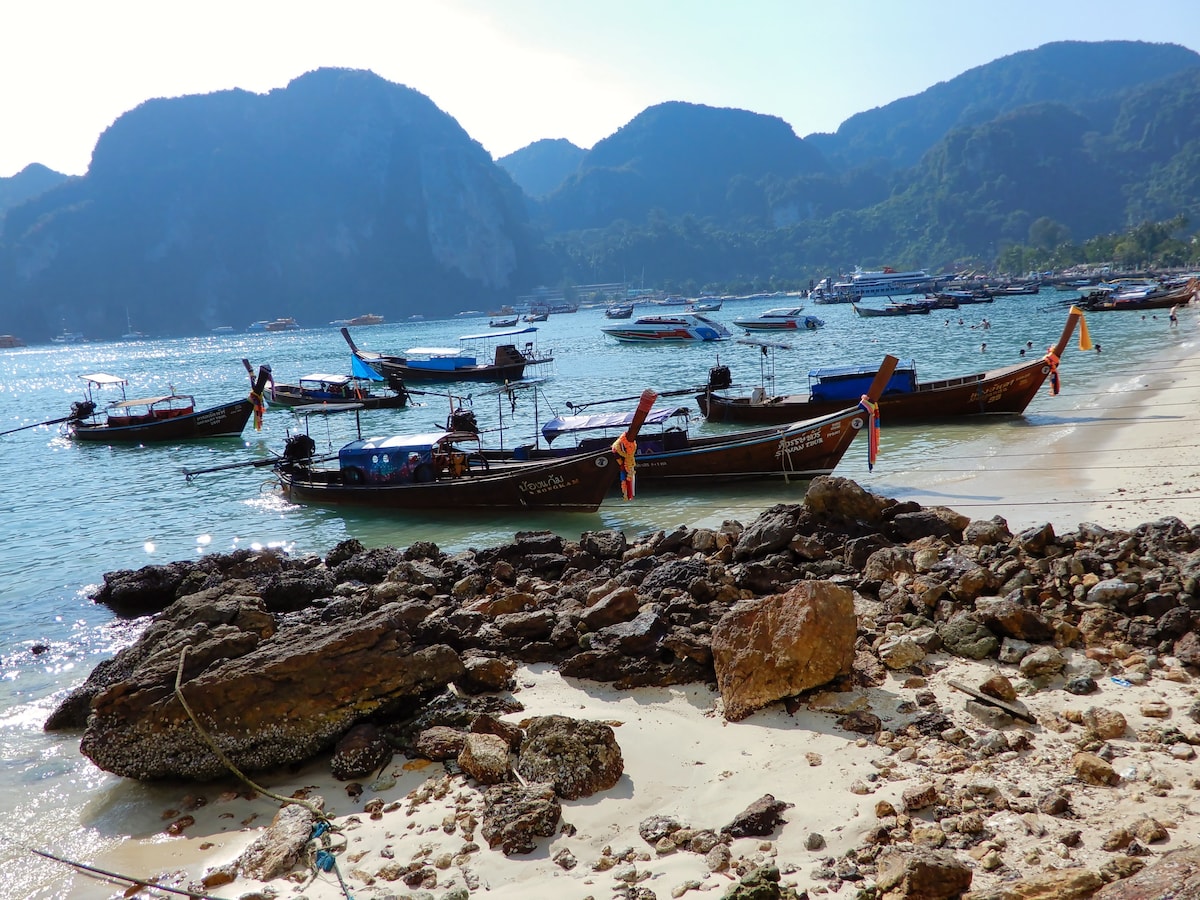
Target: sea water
{"x":71,"y":512}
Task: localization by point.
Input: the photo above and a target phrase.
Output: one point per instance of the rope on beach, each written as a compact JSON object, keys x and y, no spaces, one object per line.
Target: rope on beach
{"x":321,"y":830}
{"x":132,"y":881}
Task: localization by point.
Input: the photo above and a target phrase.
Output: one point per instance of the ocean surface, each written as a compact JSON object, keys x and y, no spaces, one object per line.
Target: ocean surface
{"x":72,"y":512}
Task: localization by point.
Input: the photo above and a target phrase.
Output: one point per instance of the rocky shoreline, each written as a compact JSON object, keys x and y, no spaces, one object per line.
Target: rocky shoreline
{"x":368,"y":653}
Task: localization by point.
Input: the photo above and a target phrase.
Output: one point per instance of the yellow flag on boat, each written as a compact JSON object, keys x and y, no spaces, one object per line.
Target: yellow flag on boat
{"x":1085,"y":339}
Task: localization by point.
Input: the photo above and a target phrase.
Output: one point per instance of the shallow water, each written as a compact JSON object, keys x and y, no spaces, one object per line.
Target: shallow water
{"x":73,"y":512}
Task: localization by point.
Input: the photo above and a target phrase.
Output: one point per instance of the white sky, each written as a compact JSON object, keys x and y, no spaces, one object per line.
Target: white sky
{"x":515,"y":71}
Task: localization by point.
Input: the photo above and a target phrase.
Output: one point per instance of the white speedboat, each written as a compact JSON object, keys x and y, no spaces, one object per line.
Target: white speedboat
{"x":667,"y":329}
{"x":784,"y":318}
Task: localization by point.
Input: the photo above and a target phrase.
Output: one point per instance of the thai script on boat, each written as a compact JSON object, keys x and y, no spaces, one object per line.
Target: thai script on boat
{"x":211,"y":417}
{"x":547,"y":485}
{"x":803,"y":441}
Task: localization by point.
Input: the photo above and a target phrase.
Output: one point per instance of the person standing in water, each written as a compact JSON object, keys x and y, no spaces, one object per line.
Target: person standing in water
{"x":1174,"y":317}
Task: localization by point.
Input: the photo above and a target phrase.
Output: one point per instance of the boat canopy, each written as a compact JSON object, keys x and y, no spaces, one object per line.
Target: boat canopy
{"x":150,"y":401}
{"x":843,"y":371}
{"x":361,"y":369}
{"x":489,"y":335}
{"x":434,"y":351}
{"x":328,"y":379}
{"x":570,"y":424}
{"x":101,"y":380}
{"x":413,"y":442}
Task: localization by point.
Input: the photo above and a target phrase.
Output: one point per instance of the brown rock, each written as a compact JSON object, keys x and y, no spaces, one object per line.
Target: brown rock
{"x":1106,"y":724}
{"x":922,"y":875}
{"x":514,"y":815}
{"x":577,"y":757}
{"x":759,"y":819}
{"x":440,"y":742}
{"x":360,"y":752}
{"x":485,"y":758}
{"x":281,"y":847}
{"x":1176,"y":875}
{"x":999,"y":687}
{"x":1057,"y":884}
{"x":1091,"y":769}
{"x":777,"y":646}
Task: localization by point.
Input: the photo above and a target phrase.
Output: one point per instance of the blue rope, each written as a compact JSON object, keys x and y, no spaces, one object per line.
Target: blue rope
{"x":325,"y":861}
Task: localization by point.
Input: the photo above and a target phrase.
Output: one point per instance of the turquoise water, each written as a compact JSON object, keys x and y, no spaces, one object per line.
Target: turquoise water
{"x":73,"y":512}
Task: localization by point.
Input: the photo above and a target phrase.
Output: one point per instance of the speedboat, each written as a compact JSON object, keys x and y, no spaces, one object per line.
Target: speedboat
{"x":784,"y":318}
{"x":664,"y":329}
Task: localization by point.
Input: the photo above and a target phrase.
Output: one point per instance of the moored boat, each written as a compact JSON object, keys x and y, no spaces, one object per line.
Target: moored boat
{"x":166,"y":417}
{"x":320,"y":388}
{"x":670,"y":455}
{"x":364,"y":319}
{"x":892,"y":309}
{"x":618,"y":311}
{"x":457,"y":363}
{"x":9,"y":341}
{"x":445,"y":472}
{"x":668,"y":329}
{"x":784,"y":318}
{"x":1006,"y":391}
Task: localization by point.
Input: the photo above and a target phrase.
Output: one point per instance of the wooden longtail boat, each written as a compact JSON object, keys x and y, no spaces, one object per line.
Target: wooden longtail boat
{"x":1006,"y":391}
{"x":670,"y":455}
{"x":169,"y":417}
{"x":439,"y":472}
{"x":456,"y":363}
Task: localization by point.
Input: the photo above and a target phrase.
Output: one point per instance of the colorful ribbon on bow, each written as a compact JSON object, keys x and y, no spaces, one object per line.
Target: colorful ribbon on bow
{"x":1052,"y":361}
{"x":872,"y":410}
{"x":260,"y":407}
{"x":625,"y":450}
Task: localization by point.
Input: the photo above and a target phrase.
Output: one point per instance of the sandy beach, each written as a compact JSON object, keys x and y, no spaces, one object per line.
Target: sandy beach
{"x":1120,"y":461}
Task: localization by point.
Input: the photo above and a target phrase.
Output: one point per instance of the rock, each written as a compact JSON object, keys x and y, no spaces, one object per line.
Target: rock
{"x":759,"y":884}
{"x":1042,"y":662}
{"x":919,"y":796}
{"x":922,"y":875}
{"x":1009,"y":617}
{"x":1081,"y":685}
{"x":258,"y":699}
{"x":620,"y":605}
{"x":1111,"y":591}
{"x":577,"y":757}
{"x":999,"y":687}
{"x":604,"y":544}
{"x":485,"y":673}
{"x":900,"y":652}
{"x":1091,"y":769}
{"x":759,"y":819}
{"x":777,"y":646}
{"x":514,"y":815}
{"x":657,"y":827}
{"x":484,"y":757}
{"x":1075,"y":883}
{"x":281,"y":847}
{"x":836,"y":499}
{"x":360,"y":752}
{"x":1105,"y":723}
{"x":1013,"y":651}
{"x":965,"y":635}
{"x":771,"y":531}
{"x":1175,"y":875}
{"x":440,"y":742}
{"x":935,"y":521}
{"x":986,"y":533}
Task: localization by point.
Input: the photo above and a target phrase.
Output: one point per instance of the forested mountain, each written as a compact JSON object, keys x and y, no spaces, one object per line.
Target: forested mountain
{"x":339,"y":194}
{"x":1084,"y":76}
{"x":543,"y":166}
{"x":32,"y":180}
{"x":343,"y":193}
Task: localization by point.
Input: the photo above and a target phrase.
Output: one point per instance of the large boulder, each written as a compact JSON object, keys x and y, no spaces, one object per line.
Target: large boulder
{"x":576,"y":756}
{"x":774,"y":647}
{"x":265,"y":701}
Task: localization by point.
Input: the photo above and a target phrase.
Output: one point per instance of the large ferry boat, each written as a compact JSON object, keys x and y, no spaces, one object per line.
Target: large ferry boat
{"x":883,"y":282}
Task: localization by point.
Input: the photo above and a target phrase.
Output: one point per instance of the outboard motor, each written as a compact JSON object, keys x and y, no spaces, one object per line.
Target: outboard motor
{"x":719,"y":377}
{"x":81,"y":409}
{"x":463,"y":420}
{"x":299,"y":447}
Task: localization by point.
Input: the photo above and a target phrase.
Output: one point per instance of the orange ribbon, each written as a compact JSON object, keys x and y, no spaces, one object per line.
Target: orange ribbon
{"x":625,"y":451}
{"x":872,"y":409}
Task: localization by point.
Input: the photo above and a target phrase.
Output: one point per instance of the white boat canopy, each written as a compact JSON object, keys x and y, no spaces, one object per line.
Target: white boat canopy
{"x":489,"y":335}
{"x":101,"y":380}
{"x":568,"y":424}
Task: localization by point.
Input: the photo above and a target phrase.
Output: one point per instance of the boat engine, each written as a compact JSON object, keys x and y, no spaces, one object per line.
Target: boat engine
{"x":81,"y":409}
{"x":719,"y":377}
{"x":462,"y":420}
{"x":299,"y":447}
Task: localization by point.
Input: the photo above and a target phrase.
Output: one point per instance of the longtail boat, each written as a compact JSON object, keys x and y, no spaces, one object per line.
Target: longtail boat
{"x":165,"y":417}
{"x":1005,"y":391}
{"x":670,"y":455}
{"x":456,"y":363}
{"x":446,"y":472}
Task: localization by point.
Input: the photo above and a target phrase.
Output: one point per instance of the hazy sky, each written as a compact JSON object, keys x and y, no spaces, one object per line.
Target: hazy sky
{"x":515,"y":71}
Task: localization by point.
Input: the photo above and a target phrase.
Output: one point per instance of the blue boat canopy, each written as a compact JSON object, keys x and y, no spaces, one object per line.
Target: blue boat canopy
{"x":843,"y":371}
{"x":569,"y":424}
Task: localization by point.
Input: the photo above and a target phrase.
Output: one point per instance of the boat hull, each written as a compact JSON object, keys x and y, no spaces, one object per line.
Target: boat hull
{"x":295,"y":398}
{"x":227,"y":420}
{"x":398,"y":373}
{"x":573,"y":484}
{"x":1005,"y":391}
